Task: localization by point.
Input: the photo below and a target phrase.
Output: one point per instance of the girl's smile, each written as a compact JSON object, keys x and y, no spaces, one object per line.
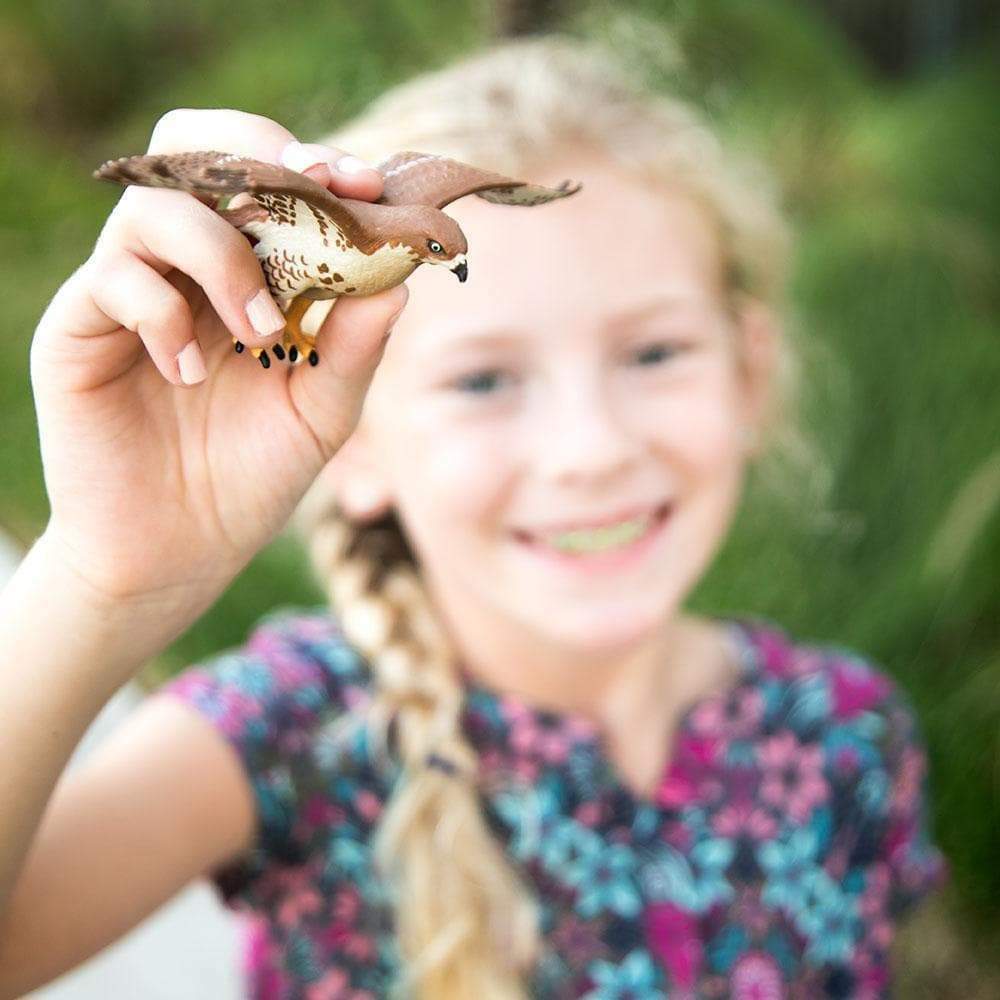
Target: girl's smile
{"x":607,"y":545}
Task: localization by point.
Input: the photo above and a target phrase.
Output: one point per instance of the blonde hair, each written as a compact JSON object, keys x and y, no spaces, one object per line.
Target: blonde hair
{"x":466,"y":924}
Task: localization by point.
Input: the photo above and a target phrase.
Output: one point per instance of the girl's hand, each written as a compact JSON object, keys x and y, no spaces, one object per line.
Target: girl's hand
{"x":162,"y":490}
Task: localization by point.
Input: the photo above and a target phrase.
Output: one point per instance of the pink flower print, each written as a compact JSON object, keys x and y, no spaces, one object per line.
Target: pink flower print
{"x":525,"y":770}
{"x":907,"y":786}
{"x":343,"y":939}
{"x":336,"y":985}
{"x":294,"y":741}
{"x":286,"y":880}
{"x":744,"y":817}
{"x":261,"y":963}
{"x":774,"y":652}
{"x":292,"y":909}
{"x":846,"y":761}
{"x":672,"y":935}
{"x":692,"y":776}
{"x":871,"y":974}
{"x":490,"y":763}
{"x":678,"y":788}
{"x":244,"y":705}
{"x":756,"y":976}
{"x":319,"y":811}
{"x":291,"y":674}
{"x":356,"y":698}
{"x":735,"y":716}
{"x":877,"y":881}
{"x":346,"y":905}
{"x":855,"y":688}
{"x":368,"y":805}
{"x":577,"y":941}
{"x":548,"y":743}
{"x":793,"y":779}
{"x":750,"y":912}
{"x":589,"y":813}
{"x":873,"y":906}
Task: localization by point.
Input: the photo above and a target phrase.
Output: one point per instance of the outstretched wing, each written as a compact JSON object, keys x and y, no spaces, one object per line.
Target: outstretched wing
{"x":424,"y":179}
{"x":213,"y":173}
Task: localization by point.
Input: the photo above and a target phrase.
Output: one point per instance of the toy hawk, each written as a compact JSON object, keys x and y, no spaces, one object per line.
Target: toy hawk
{"x":312,"y":244}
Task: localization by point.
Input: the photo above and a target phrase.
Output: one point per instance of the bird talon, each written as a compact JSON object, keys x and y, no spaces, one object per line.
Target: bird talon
{"x":264,"y":359}
{"x":293,"y":354}
{"x":279,"y":352}
{"x":313,"y":358}
{"x":239,"y":346}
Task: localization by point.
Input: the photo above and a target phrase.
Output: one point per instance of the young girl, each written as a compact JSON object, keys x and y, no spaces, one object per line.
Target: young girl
{"x":507,"y":763}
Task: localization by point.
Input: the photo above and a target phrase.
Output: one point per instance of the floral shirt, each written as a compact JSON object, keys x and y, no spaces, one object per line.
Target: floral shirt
{"x":783,"y":843}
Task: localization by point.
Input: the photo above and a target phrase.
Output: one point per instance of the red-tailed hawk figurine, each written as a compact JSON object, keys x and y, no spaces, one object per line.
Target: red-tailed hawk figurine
{"x":312,"y":244}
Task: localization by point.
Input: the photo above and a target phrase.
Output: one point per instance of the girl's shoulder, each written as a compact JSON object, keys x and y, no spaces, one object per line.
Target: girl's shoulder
{"x":814,"y":683}
{"x":851,"y":733}
{"x":283,"y":700}
{"x":294,"y":659}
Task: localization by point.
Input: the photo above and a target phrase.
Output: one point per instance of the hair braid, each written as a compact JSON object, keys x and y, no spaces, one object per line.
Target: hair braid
{"x":465,"y":923}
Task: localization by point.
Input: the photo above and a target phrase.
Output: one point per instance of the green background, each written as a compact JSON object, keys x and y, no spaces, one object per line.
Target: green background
{"x":892,"y":184}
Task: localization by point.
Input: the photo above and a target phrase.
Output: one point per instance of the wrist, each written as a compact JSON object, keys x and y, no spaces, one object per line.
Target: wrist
{"x":49,"y":604}
{"x":115,"y":598}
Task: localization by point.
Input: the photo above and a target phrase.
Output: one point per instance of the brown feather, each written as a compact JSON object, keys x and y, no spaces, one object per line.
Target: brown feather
{"x":411,"y":178}
{"x":214,"y":173}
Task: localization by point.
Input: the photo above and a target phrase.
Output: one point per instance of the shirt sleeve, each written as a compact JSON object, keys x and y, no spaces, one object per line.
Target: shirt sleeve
{"x":915,"y":863}
{"x":268,"y":699}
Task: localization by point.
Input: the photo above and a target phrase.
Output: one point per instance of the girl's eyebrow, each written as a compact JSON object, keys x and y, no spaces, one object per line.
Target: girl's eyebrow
{"x":463,"y":335}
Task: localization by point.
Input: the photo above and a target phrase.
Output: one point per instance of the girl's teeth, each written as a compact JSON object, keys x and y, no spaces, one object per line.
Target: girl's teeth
{"x":597,"y":539}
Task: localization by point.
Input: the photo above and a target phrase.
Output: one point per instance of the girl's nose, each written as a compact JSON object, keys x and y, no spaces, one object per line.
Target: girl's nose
{"x":585,"y":437}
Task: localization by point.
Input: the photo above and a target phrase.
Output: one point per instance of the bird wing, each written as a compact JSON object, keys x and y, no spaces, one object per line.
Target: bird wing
{"x":423,"y":179}
{"x":213,"y":173}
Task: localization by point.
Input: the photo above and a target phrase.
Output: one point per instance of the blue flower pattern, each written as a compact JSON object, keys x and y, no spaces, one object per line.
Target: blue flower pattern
{"x":639,"y":896}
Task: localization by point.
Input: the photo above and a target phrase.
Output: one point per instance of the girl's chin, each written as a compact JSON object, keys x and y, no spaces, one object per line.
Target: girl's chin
{"x":597,"y":630}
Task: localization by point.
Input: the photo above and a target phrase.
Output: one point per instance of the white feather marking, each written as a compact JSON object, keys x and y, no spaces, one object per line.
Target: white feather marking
{"x":409,"y":163}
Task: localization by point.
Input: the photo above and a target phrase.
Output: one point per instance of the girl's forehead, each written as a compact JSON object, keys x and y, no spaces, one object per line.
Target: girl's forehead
{"x":618,"y":243}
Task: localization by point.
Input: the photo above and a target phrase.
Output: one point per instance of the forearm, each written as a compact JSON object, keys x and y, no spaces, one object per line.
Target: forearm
{"x":63,"y":653}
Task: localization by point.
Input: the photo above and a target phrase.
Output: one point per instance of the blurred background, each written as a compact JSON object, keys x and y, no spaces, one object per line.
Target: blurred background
{"x":880,"y":119}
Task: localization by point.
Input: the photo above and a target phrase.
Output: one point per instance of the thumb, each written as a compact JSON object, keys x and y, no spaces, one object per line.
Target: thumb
{"x":350,"y":343}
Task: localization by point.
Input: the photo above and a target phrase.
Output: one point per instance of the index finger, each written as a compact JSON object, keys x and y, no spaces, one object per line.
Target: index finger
{"x":245,"y":134}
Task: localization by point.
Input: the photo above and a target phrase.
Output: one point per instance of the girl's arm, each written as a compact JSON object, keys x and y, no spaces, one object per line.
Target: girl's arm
{"x":169,"y":461}
{"x":162,"y":801}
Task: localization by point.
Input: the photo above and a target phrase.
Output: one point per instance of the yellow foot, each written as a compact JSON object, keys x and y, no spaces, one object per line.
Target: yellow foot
{"x":260,"y":353}
{"x":299,"y":344}
{"x":296,"y":344}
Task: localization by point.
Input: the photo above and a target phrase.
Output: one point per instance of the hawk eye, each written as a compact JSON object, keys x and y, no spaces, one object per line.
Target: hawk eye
{"x":434,"y":245}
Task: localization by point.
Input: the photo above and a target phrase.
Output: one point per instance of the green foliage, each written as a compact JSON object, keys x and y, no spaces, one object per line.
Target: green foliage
{"x":894,"y":192}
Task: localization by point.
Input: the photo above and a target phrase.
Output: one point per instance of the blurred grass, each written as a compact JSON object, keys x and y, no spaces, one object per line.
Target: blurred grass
{"x":893,"y":189}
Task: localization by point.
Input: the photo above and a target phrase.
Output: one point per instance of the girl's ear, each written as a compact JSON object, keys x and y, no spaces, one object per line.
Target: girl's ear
{"x":760,"y":335}
{"x":353,"y":478}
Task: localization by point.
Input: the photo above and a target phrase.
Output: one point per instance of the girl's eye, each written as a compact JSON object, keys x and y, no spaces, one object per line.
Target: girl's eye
{"x":654,"y":354}
{"x":479,"y":383}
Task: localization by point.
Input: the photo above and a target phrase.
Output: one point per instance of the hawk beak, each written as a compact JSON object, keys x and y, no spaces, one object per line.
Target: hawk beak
{"x":462,"y":270}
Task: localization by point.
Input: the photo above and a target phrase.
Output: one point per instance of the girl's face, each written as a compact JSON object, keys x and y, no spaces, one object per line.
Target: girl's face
{"x":585,"y":373}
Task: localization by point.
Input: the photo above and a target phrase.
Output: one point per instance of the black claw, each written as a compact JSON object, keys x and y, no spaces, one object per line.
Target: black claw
{"x":239,"y":347}
{"x":264,"y":359}
{"x":293,"y":354}
{"x":313,"y":358}
{"x":279,"y":352}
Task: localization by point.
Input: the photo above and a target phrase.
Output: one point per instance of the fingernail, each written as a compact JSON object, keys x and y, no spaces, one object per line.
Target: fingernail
{"x":395,"y":316}
{"x":264,"y":315}
{"x":297,"y":156}
{"x":191,"y":364}
{"x":352,"y":165}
